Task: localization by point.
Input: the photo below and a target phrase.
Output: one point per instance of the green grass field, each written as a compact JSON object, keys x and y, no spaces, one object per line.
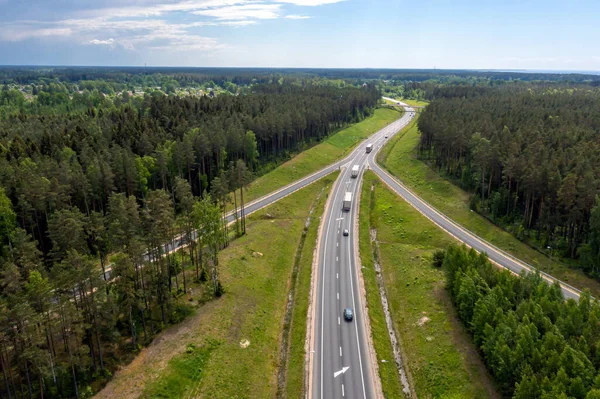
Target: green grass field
{"x":414,"y":103}
{"x":399,"y":157}
{"x":321,"y":155}
{"x":436,"y":348}
{"x":252,"y":309}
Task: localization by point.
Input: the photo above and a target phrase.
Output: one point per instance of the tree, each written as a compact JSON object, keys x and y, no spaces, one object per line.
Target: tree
{"x":66,"y":230}
{"x":158,"y":221}
{"x":8,"y":218}
{"x":185,"y":201}
{"x":207,"y":217}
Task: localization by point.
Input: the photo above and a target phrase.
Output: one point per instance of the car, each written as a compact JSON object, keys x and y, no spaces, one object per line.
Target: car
{"x":386,"y":136}
{"x":346,"y":232}
{"x":348,"y":315}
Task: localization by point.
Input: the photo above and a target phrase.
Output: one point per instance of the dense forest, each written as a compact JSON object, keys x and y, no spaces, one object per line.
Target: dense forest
{"x":535,"y":344}
{"x":92,"y":188}
{"x":531,"y":155}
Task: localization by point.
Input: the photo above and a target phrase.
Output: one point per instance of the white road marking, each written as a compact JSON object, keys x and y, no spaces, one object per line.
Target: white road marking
{"x":337,"y":244}
{"x":339,"y":320}
{"x":337,"y":275}
{"x":343,"y":390}
{"x":338,"y":296}
{"x":341,"y":353}
{"x":336,"y":258}
{"x":342,"y":371}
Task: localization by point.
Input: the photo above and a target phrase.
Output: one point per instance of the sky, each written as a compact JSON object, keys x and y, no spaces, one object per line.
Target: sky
{"x":457,"y":34}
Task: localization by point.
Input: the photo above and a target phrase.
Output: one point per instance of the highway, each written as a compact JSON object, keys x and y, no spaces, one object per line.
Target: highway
{"x":341,"y":359}
{"x":341,"y":363}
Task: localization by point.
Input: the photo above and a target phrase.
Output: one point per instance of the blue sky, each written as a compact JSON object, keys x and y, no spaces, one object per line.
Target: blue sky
{"x":482,"y":34}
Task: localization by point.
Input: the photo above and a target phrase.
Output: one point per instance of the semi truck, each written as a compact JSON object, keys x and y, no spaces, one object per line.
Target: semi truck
{"x":369,"y":147}
{"x":347,"y":201}
{"x":354,"y":172}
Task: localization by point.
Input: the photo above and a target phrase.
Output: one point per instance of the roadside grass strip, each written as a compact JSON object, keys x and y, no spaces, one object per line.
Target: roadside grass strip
{"x":436,"y":349}
{"x":236,"y":340}
{"x":321,"y":155}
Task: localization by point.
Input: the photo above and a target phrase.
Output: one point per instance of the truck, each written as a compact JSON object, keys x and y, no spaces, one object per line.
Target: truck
{"x":369,"y":147}
{"x":354,"y":172}
{"x":347,"y":201}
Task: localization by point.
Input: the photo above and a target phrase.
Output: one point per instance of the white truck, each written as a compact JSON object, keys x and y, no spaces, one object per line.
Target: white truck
{"x":347,"y":201}
{"x":354,"y":172}
{"x":369,"y":147}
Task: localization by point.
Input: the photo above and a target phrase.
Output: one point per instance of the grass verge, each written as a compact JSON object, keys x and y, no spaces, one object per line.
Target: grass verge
{"x":414,"y":103}
{"x":399,"y":157}
{"x":321,"y":155}
{"x":437,"y":350}
{"x":295,"y":371}
{"x":235,"y":339}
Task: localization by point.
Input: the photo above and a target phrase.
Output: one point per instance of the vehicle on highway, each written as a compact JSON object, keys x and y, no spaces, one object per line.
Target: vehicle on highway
{"x":385,"y":136}
{"x":355,"y":170}
{"x":348,"y":315}
{"x":347,"y":201}
{"x":369,"y":147}
{"x":346,"y":232}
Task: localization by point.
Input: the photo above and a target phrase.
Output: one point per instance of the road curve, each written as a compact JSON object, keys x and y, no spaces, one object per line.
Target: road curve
{"x":495,"y":254}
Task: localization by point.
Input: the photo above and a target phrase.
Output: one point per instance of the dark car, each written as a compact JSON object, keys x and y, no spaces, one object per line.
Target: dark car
{"x":348,"y":315}
{"x":346,"y":232}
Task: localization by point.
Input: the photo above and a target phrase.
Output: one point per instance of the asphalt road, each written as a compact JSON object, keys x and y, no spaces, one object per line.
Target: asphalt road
{"x":342,"y":362}
{"x":495,"y":254}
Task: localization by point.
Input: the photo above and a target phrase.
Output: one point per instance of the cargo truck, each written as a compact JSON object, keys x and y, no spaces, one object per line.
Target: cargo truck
{"x":347,"y":201}
{"x":354,"y":172}
{"x":369,"y":147}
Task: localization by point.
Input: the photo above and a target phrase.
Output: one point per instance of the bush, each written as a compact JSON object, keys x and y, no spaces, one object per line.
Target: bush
{"x":180,"y":312}
{"x":438,"y":258}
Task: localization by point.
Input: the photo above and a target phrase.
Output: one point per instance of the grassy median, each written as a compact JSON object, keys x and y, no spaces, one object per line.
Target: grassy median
{"x":230,"y":347}
{"x":399,"y":157}
{"x":437,"y":350}
{"x":321,"y":155}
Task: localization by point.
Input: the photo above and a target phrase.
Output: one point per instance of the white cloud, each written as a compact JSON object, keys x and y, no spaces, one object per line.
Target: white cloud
{"x":310,"y":3}
{"x":245,"y":22}
{"x":297,"y":16}
{"x":109,"y":42}
{"x":15,"y":32}
{"x":255,"y":11}
{"x":153,"y":10}
{"x":138,"y":25}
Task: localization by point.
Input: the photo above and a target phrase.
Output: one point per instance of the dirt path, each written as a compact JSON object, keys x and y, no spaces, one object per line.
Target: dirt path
{"x":130,"y":380}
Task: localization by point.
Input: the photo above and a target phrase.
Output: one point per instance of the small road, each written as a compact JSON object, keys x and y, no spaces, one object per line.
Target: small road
{"x":341,"y":362}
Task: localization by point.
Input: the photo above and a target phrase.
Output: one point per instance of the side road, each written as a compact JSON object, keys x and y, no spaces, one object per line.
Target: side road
{"x":496,"y":255}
